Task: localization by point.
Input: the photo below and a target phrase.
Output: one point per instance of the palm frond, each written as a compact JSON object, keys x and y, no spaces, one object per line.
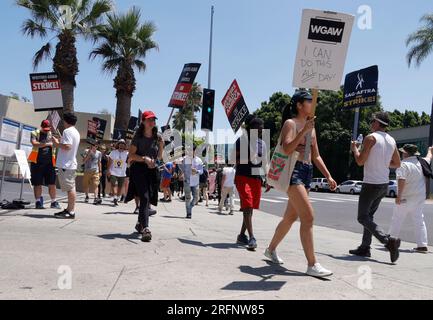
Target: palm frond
{"x":43,"y":54}
{"x":140,"y":65}
{"x":420,"y":42}
{"x":31,"y":28}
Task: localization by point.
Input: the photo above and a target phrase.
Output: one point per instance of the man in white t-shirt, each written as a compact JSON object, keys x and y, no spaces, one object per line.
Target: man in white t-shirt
{"x":379,"y":153}
{"x":192,"y":168}
{"x":67,"y":163}
{"x":227,"y":184}
{"x":117,"y":165}
{"x":411,"y":195}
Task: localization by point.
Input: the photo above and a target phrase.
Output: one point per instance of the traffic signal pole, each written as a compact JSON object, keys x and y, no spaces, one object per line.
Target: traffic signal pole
{"x":209,"y":83}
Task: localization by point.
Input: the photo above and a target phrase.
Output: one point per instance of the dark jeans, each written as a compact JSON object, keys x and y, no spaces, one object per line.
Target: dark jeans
{"x":140,"y":181}
{"x":102,"y":185}
{"x":369,"y":201}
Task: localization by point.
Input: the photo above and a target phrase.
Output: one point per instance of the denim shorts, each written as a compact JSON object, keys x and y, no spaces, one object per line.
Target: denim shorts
{"x":302,"y":175}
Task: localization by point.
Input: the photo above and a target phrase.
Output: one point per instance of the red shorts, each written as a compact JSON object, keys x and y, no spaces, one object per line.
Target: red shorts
{"x":250,"y":192}
{"x":165,"y":183}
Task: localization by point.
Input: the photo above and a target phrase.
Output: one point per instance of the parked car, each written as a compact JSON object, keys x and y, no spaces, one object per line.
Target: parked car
{"x":319,"y":184}
{"x":392,"y":189}
{"x":351,"y":186}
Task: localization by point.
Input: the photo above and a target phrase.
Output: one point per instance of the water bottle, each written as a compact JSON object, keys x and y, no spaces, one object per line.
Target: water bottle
{"x":360,"y":139}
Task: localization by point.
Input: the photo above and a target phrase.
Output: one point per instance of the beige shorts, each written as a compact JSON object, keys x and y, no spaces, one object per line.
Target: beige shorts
{"x":67,"y":180}
{"x":90,"y":179}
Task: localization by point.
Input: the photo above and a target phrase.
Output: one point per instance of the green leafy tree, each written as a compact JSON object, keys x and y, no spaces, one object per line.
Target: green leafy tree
{"x":65,"y":20}
{"x":123,"y":44}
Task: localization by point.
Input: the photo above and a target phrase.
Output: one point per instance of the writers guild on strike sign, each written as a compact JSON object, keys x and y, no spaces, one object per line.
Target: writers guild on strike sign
{"x":235,"y":106}
{"x":184,"y":85}
{"x":47,"y":91}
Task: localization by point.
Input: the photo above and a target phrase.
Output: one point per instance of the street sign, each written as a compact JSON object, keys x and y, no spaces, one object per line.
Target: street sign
{"x":322,"y":49}
{"x":47,"y":91}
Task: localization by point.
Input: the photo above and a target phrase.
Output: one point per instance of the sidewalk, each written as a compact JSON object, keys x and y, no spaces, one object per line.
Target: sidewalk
{"x":189,"y":259}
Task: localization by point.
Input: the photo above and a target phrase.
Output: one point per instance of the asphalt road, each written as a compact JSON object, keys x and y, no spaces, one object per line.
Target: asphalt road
{"x":339,"y":211}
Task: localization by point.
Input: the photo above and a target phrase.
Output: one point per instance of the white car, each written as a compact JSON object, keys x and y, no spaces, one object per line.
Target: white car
{"x":351,"y":186}
{"x":319,"y":184}
{"x":392,"y":189}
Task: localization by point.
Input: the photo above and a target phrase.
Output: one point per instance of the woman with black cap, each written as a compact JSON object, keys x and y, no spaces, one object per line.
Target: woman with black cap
{"x":146,"y":149}
{"x":296,"y":124}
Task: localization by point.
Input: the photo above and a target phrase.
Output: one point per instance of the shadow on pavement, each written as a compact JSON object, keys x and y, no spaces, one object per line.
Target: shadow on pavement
{"x":119,"y":212}
{"x":40,"y":216}
{"x":255,"y":285}
{"x":115,"y":236}
{"x":223,"y":246}
{"x":356,"y":259}
{"x":266,"y":273}
{"x":173,"y":217}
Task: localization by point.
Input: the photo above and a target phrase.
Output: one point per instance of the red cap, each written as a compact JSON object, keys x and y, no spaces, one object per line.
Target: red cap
{"x":46,"y":125}
{"x":148,"y":115}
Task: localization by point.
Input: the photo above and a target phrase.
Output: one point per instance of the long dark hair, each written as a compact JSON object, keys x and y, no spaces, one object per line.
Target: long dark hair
{"x":139,"y":133}
{"x":290,"y":111}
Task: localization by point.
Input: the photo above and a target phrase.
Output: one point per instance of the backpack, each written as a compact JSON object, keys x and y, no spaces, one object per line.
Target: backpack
{"x":426,"y":168}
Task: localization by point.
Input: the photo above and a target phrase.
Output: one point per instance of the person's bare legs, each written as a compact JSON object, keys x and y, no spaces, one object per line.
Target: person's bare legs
{"x":206,"y":196}
{"x":37,"y":192}
{"x":71,"y":200}
{"x":283,"y":228}
{"x":53,"y":192}
{"x":247,"y":224}
{"x":299,"y":198}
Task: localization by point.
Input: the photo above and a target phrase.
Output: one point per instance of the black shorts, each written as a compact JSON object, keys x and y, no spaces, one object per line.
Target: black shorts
{"x":43,"y":174}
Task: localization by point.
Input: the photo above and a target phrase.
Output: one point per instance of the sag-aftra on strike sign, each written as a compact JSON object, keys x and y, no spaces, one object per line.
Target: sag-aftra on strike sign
{"x":323,"y":43}
{"x":47,"y":91}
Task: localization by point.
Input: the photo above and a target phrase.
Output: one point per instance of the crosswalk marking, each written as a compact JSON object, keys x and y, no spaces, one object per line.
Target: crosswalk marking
{"x":326,"y":200}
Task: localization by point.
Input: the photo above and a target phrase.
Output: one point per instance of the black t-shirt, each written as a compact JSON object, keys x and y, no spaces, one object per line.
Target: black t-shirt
{"x":146,"y":147}
{"x":104,"y":163}
{"x":45,"y":154}
{"x":245,"y":169}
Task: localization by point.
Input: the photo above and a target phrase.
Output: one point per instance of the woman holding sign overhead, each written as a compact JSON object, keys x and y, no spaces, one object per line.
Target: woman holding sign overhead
{"x":296,"y":125}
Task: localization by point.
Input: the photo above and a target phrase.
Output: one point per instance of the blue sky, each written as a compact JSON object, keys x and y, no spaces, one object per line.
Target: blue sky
{"x":255,"y":42}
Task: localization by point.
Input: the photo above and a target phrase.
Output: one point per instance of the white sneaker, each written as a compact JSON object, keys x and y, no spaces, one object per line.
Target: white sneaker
{"x":273,"y":256}
{"x":318,"y":271}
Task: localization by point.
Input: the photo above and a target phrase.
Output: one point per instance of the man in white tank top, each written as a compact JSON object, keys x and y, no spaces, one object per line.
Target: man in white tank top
{"x":379,"y":153}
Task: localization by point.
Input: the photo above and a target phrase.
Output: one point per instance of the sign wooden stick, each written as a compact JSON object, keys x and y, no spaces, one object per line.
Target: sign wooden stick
{"x":309,"y":136}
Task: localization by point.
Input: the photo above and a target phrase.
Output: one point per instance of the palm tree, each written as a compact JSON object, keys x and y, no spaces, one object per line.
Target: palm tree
{"x":65,"y":19}
{"x":193,"y":105}
{"x":123,"y":45}
{"x":422,"y":41}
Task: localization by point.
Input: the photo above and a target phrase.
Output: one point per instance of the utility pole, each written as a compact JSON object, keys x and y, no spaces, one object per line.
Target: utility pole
{"x":209,"y":83}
